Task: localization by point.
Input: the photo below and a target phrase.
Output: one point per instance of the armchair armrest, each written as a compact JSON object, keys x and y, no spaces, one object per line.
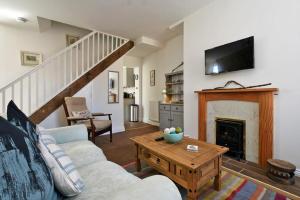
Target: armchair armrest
{"x":100,"y":114}
{"x":68,"y":133}
{"x":154,"y":187}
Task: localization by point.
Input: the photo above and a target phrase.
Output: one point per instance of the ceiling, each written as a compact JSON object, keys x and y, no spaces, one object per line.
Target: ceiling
{"x":128,"y":18}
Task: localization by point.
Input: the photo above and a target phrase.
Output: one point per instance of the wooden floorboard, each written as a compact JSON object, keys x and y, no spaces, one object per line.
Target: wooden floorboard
{"x":122,"y":151}
{"x":246,"y":165}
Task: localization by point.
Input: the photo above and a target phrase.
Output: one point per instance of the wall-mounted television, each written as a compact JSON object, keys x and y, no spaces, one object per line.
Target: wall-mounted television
{"x":238,"y":55}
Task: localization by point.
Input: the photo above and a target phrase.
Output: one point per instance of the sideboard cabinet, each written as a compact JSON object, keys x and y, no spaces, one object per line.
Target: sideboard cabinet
{"x":170,"y":115}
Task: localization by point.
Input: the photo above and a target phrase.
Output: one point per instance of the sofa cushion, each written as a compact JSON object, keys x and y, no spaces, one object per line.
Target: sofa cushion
{"x":103,"y":178}
{"x":83,"y":152}
{"x":155,"y":187}
{"x":24,"y":174}
{"x":47,"y":139}
{"x":66,"y":178}
{"x":18,"y":118}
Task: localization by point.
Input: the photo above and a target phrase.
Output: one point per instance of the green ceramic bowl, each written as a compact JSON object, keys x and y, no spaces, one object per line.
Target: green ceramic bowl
{"x":173,"y":138}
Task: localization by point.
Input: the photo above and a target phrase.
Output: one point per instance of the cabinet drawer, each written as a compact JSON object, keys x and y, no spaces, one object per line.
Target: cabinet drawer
{"x":177,"y":108}
{"x":164,"y":107}
{"x":180,"y":171}
{"x":156,"y":160}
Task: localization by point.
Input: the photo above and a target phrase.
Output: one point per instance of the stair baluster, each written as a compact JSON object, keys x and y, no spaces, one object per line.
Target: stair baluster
{"x":34,"y":89}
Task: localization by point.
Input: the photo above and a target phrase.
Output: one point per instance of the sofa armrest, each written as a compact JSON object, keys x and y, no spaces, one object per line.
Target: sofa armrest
{"x":68,"y":133}
{"x":154,"y":187}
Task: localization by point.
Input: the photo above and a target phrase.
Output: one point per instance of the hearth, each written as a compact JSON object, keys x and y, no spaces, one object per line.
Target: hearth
{"x":231,"y":133}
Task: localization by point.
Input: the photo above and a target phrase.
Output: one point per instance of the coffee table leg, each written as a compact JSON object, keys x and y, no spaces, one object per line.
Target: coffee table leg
{"x":138,"y":161}
{"x":192,"y":195}
{"x":217,"y":181}
{"x":192,"y":191}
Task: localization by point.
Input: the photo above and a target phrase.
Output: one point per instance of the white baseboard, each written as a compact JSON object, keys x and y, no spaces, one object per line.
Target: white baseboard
{"x":151,"y":122}
{"x":116,"y":130}
{"x":297,"y":172}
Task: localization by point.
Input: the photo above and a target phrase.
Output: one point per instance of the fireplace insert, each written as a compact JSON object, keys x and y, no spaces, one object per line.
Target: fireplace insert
{"x":231,"y":133}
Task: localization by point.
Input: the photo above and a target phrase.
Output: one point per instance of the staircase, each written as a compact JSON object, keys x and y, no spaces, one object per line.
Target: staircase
{"x":41,"y":91}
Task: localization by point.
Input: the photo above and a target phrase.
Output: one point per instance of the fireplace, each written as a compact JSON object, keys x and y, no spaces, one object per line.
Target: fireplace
{"x":263,"y":97}
{"x":231,"y":133}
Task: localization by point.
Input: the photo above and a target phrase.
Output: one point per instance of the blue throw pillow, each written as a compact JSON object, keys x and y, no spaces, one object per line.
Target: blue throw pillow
{"x":19,"y":119}
{"x":23,"y":172}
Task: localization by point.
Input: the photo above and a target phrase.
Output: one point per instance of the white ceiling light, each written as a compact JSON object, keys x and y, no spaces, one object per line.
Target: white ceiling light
{"x":21,"y":19}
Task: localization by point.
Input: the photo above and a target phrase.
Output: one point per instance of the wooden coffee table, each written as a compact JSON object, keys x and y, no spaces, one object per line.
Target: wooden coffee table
{"x":191,"y":170}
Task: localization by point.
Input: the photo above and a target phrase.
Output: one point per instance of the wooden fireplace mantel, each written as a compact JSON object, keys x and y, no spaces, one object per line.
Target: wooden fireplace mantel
{"x":239,"y":90}
{"x":262,"y":96}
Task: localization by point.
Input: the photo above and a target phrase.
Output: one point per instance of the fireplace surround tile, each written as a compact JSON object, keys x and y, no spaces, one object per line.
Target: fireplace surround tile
{"x":248,"y":111}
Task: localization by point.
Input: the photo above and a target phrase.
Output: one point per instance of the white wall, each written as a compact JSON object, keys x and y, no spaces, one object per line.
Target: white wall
{"x":100,"y":96}
{"x":96,"y":93}
{"x":162,"y":61}
{"x":275,"y":26}
{"x":132,"y":61}
{"x":15,"y":39}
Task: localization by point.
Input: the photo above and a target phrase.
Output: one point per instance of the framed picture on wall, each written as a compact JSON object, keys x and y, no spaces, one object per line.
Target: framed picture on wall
{"x":152,"y":78}
{"x":30,"y":58}
{"x":71,"y":39}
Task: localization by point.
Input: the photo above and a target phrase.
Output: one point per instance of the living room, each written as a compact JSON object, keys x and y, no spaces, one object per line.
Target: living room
{"x":260,"y":101}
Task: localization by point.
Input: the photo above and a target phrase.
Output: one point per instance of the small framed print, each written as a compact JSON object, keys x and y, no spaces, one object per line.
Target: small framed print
{"x":152,"y":78}
{"x":30,"y":58}
{"x":71,"y":39}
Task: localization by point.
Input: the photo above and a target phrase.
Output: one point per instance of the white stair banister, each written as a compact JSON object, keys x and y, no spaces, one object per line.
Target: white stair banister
{"x":59,"y":71}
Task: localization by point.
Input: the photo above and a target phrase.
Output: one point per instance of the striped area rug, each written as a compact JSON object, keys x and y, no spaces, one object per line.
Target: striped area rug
{"x":233,"y":187}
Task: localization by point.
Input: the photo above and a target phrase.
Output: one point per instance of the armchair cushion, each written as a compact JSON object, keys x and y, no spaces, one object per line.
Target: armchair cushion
{"x":99,"y":124}
{"x":83,"y":113}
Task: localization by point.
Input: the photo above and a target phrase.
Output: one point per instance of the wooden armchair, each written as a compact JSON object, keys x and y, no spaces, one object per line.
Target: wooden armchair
{"x":77,"y":113}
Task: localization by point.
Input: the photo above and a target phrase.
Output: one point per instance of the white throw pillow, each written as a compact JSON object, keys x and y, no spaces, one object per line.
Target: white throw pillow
{"x":83,"y":113}
{"x":66,"y":178}
{"x":47,"y":139}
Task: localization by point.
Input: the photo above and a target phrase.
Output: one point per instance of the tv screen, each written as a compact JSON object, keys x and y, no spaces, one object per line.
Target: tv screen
{"x":233,"y":56}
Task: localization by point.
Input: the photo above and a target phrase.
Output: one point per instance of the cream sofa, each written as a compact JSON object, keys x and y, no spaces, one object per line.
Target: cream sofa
{"x":104,"y":179}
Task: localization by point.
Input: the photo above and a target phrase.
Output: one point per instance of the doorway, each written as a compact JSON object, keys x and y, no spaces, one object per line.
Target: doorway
{"x":132,"y":96}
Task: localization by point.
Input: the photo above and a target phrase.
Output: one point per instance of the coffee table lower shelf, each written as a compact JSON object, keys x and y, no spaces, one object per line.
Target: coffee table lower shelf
{"x":190,"y":178}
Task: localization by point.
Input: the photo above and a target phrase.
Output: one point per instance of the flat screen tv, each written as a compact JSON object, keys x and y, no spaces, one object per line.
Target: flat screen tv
{"x":233,"y":56}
